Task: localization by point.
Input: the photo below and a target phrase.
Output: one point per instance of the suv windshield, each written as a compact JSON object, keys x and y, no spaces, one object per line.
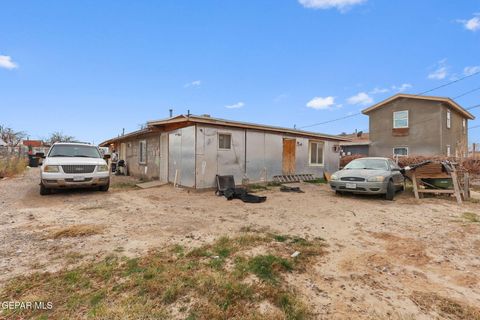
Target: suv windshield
{"x":74,"y":151}
{"x":372,"y":164}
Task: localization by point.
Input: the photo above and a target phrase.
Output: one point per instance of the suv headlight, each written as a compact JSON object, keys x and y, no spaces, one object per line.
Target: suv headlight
{"x":51,"y":169}
{"x":102,"y":168}
{"x":334,"y":177}
{"x":376,"y":179}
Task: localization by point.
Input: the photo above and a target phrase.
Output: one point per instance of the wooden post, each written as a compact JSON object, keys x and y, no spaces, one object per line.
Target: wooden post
{"x":456,"y":187}
{"x":466,"y":186}
{"x":415,"y":186}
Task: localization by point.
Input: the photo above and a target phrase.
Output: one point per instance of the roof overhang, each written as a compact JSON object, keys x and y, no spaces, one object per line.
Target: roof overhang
{"x":448,"y":101}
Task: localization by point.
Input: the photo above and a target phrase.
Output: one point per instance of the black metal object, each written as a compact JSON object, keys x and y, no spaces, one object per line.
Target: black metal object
{"x":226,"y":188}
{"x":224,"y":183}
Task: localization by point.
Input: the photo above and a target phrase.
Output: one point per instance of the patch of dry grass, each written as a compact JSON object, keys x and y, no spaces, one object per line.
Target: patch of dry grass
{"x":78,"y":230}
{"x":215,"y":281}
{"x":471,"y":217}
{"x":12,"y":166}
{"x":446,"y":307}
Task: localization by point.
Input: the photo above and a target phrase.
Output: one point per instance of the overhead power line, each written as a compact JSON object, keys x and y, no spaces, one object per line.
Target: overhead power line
{"x":418,"y":94}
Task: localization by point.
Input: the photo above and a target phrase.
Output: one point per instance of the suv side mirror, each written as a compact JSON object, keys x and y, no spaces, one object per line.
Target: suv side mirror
{"x":106,"y":156}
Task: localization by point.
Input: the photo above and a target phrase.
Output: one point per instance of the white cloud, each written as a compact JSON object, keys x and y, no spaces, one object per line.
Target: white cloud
{"x":361,"y":98}
{"x":472,"y":24}
{"x":7,"y":62}
{"x":440,"y":72}
{"x":468,"y":71}
{"x":341,"y":5}
{"x":319,"y":103}
{"x":237,"y":105}
{"x":402,"y":88}
{"x":195,"y":83}
{"x":379,"y":90}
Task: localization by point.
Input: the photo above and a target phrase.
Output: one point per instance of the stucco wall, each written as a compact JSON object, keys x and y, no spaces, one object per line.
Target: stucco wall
{"x":456,"y":136}
{"x":150,"y":169}
{"x":425,"y":128}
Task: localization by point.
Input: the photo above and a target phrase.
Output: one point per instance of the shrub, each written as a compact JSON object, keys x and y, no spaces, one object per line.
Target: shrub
{"x":12,"y":166}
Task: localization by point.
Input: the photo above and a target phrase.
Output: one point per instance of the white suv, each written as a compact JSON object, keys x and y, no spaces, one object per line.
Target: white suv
{"x":73,"y":165}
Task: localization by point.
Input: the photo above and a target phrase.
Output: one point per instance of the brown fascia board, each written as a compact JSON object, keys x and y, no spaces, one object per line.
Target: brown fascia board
{"x":449,"y":101}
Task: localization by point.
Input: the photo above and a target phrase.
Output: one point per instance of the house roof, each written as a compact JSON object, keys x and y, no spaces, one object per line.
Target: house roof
{"x":238,"y":124}
{"x":446,"y":100}
{"x":356,"y":139}
{"x":152,"y":125}
{"x":32,"y":143}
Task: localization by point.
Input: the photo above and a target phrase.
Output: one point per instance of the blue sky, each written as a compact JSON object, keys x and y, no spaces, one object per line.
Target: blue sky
{"x":90,"y":68}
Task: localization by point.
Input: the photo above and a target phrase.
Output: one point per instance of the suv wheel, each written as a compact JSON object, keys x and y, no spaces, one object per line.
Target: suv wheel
{"x":44,"y":191}
{"x":390,"y":191}
{"x":104,"y":188}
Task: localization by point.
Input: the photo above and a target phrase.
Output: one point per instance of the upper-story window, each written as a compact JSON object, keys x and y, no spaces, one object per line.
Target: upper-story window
{"x":449,"y":119}
{"x":400,"y":119}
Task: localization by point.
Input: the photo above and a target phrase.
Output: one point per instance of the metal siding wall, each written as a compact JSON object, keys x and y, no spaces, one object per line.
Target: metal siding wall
{"x":273,"y":154}
{"x":164,"y":157}
{"x":331,"y":159}
{"x":212,"y":161}
{"x":182,"y":156}
{"x":256,"y":170}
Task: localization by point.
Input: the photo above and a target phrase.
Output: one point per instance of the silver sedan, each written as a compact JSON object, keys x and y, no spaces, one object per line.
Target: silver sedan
{"x":369,"y":176}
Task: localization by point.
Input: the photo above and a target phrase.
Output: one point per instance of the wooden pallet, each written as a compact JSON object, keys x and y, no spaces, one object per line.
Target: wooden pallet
{"x":293,"y":178}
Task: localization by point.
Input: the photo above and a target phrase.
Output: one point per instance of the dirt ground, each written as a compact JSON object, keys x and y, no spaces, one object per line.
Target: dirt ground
{"x":383,"y":257}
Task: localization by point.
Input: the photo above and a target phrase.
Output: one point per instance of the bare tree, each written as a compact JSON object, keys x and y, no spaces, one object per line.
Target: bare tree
{"x":11,"y":137}
{"x":59,"y":137}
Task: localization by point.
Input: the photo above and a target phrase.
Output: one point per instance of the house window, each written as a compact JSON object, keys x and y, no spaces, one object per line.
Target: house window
{"x":400,"y":119}
{"x":464,"y":125}
{"x":449,"y":119}
{"x":224,"y":141}
{"x":449,"y":152}
{"x":316,"y":153}
{"x":142,"y":154}
{"x":400,"y":151}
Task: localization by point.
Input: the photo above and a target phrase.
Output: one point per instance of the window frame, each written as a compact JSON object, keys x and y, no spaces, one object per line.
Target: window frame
{"x":394,"y":124}
{"x":317,"y":142}
{"x":218,"y":138}
{"x":400,"y":155}
{"x":140,"y":152}
{"x":464,"y":125}
{"x":449,"y":119}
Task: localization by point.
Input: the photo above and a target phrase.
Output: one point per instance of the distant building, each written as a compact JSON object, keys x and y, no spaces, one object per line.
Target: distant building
{"x":406,"y":124}
{"x":359,"y":144}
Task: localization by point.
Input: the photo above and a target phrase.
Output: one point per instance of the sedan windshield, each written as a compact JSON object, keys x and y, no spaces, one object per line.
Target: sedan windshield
{"x":74,"y":151}
{"x":369,"y":164}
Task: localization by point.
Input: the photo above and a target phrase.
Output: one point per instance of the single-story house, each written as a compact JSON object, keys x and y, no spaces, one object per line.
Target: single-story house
{"x":192,"y":150}
{"x":358,"y":144}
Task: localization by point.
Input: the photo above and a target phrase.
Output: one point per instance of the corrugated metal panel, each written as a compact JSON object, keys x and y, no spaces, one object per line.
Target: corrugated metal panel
{"x":256,"y":170}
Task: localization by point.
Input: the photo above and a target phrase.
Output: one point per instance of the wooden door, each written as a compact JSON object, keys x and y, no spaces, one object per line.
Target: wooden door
{"x":288,"y":165}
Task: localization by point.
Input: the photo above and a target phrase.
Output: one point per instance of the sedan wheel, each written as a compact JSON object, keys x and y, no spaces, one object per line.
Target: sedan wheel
{"x":390,"y":191}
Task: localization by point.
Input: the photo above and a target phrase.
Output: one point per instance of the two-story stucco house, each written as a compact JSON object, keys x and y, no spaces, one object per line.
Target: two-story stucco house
{"x":407,"y":124}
